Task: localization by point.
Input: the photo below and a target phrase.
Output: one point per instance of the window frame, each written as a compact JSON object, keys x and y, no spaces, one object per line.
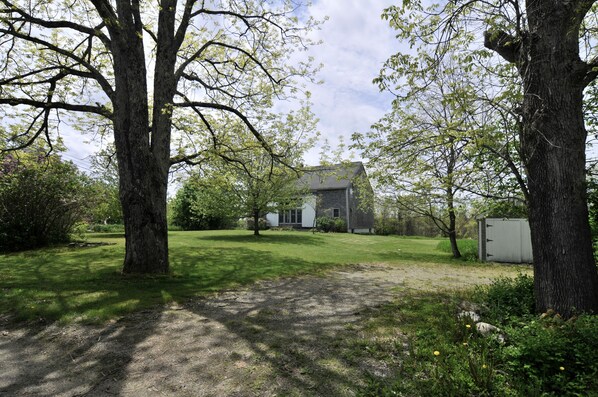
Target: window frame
{"x":291,"y":217}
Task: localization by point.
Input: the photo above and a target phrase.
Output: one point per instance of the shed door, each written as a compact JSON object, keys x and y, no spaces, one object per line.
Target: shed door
{"x":508,"y":240}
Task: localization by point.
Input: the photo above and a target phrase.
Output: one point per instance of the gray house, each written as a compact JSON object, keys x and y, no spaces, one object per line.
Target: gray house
{"x":337,"y":191}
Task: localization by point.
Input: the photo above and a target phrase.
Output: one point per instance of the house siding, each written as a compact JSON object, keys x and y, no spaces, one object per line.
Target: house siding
{"x":335,"y":187}
{"x":330,"y":199}
{"x":360,"y":219}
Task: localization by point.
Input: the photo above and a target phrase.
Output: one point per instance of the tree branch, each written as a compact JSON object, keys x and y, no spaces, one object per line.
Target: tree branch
{"x":25,"y":17}
{"x":504,"y":44}
{"x":100,"y":110}
{"x":241,"y":116}
{"x":198,"y":53}
{"x":96,"y":75}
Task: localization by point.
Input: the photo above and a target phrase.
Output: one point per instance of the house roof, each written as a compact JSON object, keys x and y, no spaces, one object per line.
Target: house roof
{"x":330,"y":177}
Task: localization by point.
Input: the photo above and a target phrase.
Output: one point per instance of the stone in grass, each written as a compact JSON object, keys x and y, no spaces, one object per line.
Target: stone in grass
{"x":469,"y":314}
{"x":486,"y":329}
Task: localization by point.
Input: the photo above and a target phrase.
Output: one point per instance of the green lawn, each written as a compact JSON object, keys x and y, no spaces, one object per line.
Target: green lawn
{"x":84,"y":284}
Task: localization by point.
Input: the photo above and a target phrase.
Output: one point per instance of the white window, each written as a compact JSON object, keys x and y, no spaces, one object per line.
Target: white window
{"x":290,"y":216}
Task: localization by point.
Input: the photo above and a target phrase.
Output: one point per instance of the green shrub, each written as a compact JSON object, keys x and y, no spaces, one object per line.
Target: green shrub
{"x":540,"y":356}
{"x":247,"y":223}
{"x":329,"y":224}
{"x":41,"y":200}
{"x":102,"y":228}
{"x":340,"y":225}
{"x":324,"y":224}
{"x":189,"y":211}
{"x":507,"y":298}
{"x":387,"y":226}
{"x":550,"y":356}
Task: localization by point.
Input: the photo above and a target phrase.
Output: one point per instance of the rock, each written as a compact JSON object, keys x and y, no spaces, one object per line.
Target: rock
{"x":469,"y":314}
{"x":485,"y":328}
{"x":488,"y":329}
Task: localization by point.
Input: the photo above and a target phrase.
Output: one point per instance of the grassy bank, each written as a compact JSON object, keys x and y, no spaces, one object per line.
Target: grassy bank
{"x":85,"y":284}
{"x":438,"y":354}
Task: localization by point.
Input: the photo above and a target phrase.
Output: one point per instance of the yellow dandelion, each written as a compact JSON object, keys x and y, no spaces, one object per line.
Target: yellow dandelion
{"x":436,"y":353}
{"x":484,"y":366}
{"x":562,"y":368}
{"x":464,"y":343}
{"x":468,"y":326}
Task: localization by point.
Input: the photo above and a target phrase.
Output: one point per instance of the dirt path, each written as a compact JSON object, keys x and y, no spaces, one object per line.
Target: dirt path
{"x":275,"y":338}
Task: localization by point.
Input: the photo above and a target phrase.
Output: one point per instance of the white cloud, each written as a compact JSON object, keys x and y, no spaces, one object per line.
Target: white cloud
{"x":356,"y":42}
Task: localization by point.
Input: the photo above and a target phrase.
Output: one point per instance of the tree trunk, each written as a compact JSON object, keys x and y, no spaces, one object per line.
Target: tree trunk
{"x":452,"y":232}
{"x":143,"y":198}
{"x":142,"y":165}
{"x":553,"y":143}
{"x":256,"y":222}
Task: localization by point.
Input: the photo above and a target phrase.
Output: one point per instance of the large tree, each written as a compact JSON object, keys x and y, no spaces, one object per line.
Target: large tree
{"x":245,"y":170}
{"x":158,"y":72}
{"x":542,"y":39}
{"x":424,"y":148}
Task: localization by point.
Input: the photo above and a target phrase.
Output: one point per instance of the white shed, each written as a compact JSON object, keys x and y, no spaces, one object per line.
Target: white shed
{"x":504,"y":240}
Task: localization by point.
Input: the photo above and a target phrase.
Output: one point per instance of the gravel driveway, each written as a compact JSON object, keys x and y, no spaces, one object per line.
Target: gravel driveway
{"x":273,"y":338}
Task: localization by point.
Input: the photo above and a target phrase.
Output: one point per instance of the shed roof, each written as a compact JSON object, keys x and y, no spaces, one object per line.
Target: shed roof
{"x":330,"y":177}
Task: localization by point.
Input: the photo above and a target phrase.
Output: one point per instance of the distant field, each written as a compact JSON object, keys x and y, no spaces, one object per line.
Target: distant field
{"x":84,"y":284}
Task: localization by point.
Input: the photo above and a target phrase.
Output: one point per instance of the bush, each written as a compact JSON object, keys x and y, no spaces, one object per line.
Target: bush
{"x":540,"y":356}
{"x":41,"y":200}
{"x":187,"y":214}
{"x":103,"y":228}
{"x":507,"y":298}
{"x":247,"y":223}
{"x":550,"y":356}
{"x":328,"y":224}
{"x":387,"y":226}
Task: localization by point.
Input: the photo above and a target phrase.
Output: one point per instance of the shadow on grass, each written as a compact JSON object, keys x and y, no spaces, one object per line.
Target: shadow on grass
{"x":284,"y":338}
{"x":87,"y":284}
{"x":293,"y":238}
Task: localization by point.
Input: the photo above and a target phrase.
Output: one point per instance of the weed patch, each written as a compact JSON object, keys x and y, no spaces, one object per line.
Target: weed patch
{"x":445,"y":355}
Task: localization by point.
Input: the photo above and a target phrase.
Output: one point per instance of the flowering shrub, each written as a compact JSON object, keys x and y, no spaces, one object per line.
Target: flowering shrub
{"x":41,"y":199}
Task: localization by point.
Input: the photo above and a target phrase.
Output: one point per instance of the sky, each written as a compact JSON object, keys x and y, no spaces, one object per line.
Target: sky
{"x":355,"y":44}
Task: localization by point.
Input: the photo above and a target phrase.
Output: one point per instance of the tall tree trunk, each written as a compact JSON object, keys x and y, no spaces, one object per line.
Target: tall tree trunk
{"x":553,"y":143}
{"x":143,"y":168}
{"x":452,"y":232}
{"x":256,"y":222}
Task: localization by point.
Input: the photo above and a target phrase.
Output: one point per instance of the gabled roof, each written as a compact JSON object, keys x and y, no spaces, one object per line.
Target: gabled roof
{"x":330,"y":177}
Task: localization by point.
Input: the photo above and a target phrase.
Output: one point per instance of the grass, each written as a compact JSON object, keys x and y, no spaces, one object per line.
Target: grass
{"x":437,"y":354}
{"x":468,"y":248}
{"x":85,"y":284}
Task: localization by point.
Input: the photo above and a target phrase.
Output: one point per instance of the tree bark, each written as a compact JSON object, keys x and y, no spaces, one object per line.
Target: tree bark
{"x":142,"y":164}
{"x":452,"y":232}
{"x":553,"y":143}
{"x":256,"y":222}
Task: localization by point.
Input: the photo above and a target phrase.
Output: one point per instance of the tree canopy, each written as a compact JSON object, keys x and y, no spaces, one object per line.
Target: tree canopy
{"x":162,"y":78}
{"x":551,"y":48}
